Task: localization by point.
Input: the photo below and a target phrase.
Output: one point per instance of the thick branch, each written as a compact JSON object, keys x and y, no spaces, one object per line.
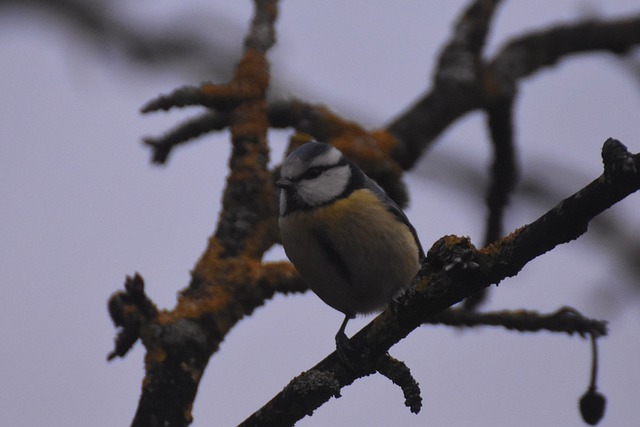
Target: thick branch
{"x":459,"y":87}
{"x":435,"y":289}
{"x":527,"y":54}
{"x":229,"y":281}
{"x":464,"y":82}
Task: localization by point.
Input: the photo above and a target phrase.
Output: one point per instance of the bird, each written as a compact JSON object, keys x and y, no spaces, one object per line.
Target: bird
{"x":349,"y":241}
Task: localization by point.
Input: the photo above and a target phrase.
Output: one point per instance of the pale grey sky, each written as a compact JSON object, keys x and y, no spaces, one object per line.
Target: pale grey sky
{"x":82,"y":207}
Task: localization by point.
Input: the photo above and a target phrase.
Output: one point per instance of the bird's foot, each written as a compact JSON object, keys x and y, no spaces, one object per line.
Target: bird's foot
{"x":348,"y":354}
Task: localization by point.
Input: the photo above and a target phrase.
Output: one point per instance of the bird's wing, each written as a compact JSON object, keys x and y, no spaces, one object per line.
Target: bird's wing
{"x":393,"y":208}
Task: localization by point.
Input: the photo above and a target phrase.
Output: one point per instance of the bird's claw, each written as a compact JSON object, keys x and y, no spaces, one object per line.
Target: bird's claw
{"x":348,"y":354}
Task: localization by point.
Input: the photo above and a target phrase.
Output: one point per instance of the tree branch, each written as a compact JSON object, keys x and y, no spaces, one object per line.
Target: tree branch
{"x":566,"y":319}
{"x":206,"y":122}
{"x":457,"y":87}
{"x":463,"y":82}
{"x":178,"y":44}
{"x":525,"y":55}
{"x":436,"y":288}
{"x":400,"y":374}
{"x":503,"y":175}
{"x":229,"y":281}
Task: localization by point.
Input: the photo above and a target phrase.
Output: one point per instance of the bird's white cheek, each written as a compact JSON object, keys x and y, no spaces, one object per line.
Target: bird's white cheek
{"x":326,"y":187}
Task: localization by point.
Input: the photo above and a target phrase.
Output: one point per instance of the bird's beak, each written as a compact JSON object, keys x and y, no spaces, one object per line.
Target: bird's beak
{"x":284,"y":183}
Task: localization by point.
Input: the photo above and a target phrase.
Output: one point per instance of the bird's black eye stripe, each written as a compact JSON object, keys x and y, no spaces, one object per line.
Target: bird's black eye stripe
{"x":313,"y":172}
{"x":316,"y":171}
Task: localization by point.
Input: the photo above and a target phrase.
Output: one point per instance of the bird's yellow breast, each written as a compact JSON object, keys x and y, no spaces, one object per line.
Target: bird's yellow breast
{"x":378,"y":251}
{"x":361,"y":204}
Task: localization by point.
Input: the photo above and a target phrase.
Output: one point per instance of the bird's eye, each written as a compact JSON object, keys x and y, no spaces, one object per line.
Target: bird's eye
{"x":313,"y":173}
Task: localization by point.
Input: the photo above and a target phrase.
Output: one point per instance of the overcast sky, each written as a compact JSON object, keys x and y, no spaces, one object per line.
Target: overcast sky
{"x":81,"y":207}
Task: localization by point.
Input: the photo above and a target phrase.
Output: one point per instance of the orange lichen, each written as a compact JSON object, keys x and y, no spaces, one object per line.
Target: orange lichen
{"x":210,"y":257}
{"x":265,"y":233}
{"x":497,"y":248}
{"x":271,"y":9}
{"x":219,"y":91}
{"x":453,"y":240}
{"x":386,"y":141}
{"x":362,"y":148}
{"x":155,"y":355}
{"x":277,"y":271}
{"x":338,"y":127}
{"x":212,"y":300}
{"x":193,"y":372}
{"x":252,"y":73}
{"x":251,"y":80}
{"x":298,"y":139}
{"x":146,"y":381}
{"x":371,"y":150}
{"x":250,"y":119}
{"x":223,"y":284}
{"x":188,"y":413}
{"x":246,"y":170}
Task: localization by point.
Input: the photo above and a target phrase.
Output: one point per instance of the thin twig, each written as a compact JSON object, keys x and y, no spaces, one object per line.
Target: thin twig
{"x":567,"y":320}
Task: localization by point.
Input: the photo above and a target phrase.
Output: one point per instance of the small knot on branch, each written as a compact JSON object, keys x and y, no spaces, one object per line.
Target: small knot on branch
{"x":570,"y":320}
{"x":454,"y":255}
{"x":618,"y":162}
{"x":129,"y":310}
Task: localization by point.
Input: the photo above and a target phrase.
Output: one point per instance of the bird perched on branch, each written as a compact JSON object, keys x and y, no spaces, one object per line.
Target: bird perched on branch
{"x":349,"y":241}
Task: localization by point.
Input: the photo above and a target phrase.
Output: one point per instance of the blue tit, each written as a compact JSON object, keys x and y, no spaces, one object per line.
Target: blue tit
{"x":349,"y":241}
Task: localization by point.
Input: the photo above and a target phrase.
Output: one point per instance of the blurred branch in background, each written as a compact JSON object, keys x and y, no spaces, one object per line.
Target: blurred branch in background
{"x":192,"y":48}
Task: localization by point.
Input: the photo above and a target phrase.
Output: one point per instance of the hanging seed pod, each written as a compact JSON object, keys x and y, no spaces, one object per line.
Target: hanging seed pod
{"x":592,"y":403}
